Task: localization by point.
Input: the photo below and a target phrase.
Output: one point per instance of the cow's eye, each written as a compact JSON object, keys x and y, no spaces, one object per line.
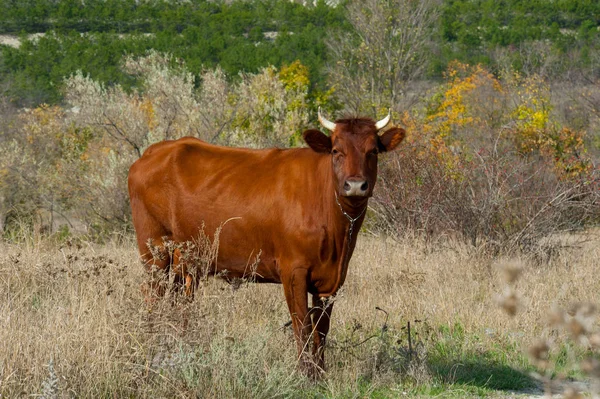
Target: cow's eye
{"x":335,"y":151}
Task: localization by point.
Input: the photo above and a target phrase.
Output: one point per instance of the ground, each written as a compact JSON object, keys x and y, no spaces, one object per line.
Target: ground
{"x":75,"y":324}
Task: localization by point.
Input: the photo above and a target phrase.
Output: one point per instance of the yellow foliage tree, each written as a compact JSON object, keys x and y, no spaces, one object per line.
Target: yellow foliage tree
{"x":536,"y":131}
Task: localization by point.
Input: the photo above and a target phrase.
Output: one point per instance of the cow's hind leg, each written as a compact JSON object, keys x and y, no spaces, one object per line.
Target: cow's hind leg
{"x":182,"y":274}
{"x":152,"y":240}
{"x":157,"y":260}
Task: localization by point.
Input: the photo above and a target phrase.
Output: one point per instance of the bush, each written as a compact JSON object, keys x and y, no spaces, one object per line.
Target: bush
{"x":73,"y":162}
{"x":486,"y":160}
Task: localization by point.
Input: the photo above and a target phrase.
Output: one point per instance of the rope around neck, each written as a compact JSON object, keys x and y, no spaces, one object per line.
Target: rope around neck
{"x":350,"y":218}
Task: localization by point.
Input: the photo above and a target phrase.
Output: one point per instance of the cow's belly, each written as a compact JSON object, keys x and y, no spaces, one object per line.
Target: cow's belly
{"x":244,"y":251}
{"x":259,"y":244}
{"x":246,"y":263}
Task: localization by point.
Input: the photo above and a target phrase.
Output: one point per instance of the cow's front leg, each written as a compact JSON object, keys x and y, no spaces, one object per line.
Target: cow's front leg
{"x":295,"y":286}
{"x":321,"y":316}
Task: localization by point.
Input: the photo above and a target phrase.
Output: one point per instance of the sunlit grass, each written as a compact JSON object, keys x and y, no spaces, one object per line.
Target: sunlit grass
{"x":79,"y":309}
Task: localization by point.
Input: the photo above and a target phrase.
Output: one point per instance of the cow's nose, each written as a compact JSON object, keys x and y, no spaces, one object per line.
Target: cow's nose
{"x":356,"y":187}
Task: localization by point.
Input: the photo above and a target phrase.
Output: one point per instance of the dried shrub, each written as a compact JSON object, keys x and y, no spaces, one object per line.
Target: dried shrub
{"x":486,"y":160}
{"x":389,"y":48}
{"x":270,"y":108}
{"x":39,"y":169}
{"x":69,"y":166}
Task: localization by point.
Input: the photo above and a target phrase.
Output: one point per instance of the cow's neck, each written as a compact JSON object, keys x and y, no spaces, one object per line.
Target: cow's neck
{"x":353,"y":213}
{"x":353,"y":208}
{"x":346,"y":217}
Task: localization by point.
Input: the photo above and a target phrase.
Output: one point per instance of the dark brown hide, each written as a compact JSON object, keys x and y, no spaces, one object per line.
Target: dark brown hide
{"x":285,"y":204}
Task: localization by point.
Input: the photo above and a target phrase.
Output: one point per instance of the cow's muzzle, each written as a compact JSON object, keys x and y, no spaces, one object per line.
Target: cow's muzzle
{"x":356,"y":188}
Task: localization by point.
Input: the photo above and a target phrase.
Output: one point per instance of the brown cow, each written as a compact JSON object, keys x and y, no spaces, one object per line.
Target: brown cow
{"x":301,"y":209}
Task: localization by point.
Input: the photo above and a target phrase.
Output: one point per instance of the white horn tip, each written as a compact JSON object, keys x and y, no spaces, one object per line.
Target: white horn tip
{"x":383,"y":123}
{"x":327,"y":124}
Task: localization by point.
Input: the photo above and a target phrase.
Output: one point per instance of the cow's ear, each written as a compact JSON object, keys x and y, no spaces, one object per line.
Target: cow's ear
{"x":318,"y":141}
{"x":389,"y":140}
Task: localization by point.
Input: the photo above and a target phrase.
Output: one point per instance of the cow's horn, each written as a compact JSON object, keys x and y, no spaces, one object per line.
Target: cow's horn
{"x":327,"y":124}
{"x":383,"y":123}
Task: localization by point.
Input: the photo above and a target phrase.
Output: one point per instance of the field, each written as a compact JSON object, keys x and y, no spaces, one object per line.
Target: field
{"x":489,"y":286}
{"x":74,"y":324}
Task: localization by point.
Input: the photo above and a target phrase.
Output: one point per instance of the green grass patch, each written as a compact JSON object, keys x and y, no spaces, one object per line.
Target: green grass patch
{"x":457,"y":358}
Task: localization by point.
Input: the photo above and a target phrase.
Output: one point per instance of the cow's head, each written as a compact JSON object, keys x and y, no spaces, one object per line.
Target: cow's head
{"x":354,"y":145}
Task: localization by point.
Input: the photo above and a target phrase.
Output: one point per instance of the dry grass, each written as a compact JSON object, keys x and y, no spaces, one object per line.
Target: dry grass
{"x":74,"y":323}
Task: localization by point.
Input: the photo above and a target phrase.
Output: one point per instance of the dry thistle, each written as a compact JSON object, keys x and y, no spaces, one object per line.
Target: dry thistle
{"x":572,"y":393}
{"x":584,"y":309}
{"x":576,"y":328}
{"x":155,"y":250}
{"x":511,"y":270}
{"x":509,"y":301}
{"x":591,"y":366}
{"x":595,"y":340}
{"x":582,"y":320}
{"x":540,"y":353}
{"x":556,"y":317}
